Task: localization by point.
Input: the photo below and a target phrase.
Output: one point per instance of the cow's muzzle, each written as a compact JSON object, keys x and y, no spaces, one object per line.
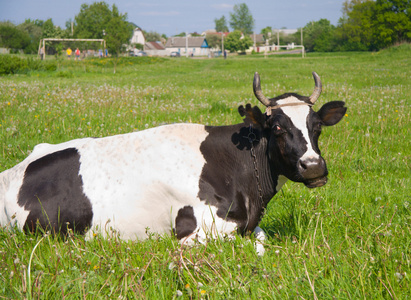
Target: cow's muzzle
{"x":313,"y":171}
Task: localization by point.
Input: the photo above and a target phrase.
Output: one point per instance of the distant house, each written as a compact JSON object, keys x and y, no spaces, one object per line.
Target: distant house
{"x":258,"y":42}
{"x":155,"y":49}
{"x":258,"y":39}
{"x":196,"y":46}
{"x":138,"y":36}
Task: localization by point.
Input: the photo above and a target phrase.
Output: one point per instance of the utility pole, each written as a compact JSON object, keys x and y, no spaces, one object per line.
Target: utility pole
{"x":186,"y":44}
{"x":303,"y":49}
{"x":222,"y":43}
{"x":301,"y":36}
{"x":278,"y":37}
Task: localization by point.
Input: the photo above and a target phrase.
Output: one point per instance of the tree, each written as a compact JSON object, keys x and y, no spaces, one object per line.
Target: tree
{"x":181,"y":34}
{"x":214,"y":40}
{"x":49,"y":30}
{"x":221,"y":24}
{"x":98,"y":21}
{"x":355,"y":30}
{"x":92,"y":20}
{"x":33,"y":29}
{"x":319,"y":36}
{"x":119,"y":32}
{"x":237,"y":42}
{"x":12,"y":37}
{"x":241,"y":19}
{"x":372,"y":25}
{"x":152,"y":36}
{"x":392,"y":22}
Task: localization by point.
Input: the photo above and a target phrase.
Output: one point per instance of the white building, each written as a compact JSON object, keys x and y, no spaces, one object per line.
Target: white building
{"x":138,"y":36}
{"x":195,"y":46}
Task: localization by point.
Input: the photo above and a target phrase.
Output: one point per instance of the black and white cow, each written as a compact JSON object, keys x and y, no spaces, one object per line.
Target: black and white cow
{"x":198,"y":181}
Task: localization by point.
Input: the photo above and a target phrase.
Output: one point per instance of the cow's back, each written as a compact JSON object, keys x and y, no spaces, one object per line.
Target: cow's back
{"x":128,"y":182}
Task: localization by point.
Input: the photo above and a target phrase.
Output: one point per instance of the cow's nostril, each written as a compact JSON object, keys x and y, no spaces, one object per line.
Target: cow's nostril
{"x":302,"y":166}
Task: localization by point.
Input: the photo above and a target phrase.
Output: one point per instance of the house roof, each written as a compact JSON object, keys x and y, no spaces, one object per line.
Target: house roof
{"x":154,"y":46}
{"x":258,"y":38}
{"x":193,"y":42}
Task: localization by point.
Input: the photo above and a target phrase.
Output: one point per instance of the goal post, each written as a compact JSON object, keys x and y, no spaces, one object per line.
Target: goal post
{"x":42,"y":43}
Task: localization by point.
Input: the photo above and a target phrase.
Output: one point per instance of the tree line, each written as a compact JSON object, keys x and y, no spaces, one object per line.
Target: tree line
{"x":365,"y":25}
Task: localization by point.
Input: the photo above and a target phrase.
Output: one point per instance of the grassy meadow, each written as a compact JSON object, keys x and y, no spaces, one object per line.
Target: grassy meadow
{"x":350,"y":239}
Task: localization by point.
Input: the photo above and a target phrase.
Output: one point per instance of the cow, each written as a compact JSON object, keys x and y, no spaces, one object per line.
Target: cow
{"x":197,"y":182}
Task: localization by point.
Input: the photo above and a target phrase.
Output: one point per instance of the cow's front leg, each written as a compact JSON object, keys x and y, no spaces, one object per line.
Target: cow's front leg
{"x":208,"y":225}
{"x":260,"y":237}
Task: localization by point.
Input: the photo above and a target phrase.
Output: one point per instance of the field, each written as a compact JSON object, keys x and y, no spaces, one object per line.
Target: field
{"x":350,"y":239}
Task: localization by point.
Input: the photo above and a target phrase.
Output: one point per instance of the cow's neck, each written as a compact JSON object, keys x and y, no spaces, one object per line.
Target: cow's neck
{"x":268,"y":179}
{"x":228,"y":179}
{"x":264,"y":178}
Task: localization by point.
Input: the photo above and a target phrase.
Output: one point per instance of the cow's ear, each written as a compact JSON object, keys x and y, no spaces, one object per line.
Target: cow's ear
{"x":253,"y":115}
{"x":332,"y":112}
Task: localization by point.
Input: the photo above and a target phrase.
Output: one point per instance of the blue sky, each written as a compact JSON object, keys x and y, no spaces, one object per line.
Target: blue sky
{"x":172,"y":17}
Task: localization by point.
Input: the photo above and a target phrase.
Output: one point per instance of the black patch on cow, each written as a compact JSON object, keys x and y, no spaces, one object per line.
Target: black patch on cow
{"x":186,"y":222}
{"x":52,"y":191}
{"x":228,"y":180}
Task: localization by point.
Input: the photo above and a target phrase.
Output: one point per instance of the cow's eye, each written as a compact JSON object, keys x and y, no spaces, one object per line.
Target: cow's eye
{"x":278,"y":130}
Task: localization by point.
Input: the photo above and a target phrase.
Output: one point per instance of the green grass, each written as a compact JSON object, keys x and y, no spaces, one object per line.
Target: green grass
{"x":350,"y":239}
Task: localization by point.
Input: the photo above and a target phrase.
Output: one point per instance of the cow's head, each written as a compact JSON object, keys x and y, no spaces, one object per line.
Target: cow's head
{"x":293,"y":129}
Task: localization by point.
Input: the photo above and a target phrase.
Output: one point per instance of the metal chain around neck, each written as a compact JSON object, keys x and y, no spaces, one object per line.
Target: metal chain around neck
{"x":252,"y":138}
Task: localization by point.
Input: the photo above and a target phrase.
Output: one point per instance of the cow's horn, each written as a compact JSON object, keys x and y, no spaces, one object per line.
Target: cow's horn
{"x":257,"y":90}
{"x":317,"y":90}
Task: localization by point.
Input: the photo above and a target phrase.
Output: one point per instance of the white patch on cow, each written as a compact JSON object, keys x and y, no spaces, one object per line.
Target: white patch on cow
{"x":298,"y":115}
{"x":211,"y":226}
{"x":280,"y":182}
{"x":141,"y":180}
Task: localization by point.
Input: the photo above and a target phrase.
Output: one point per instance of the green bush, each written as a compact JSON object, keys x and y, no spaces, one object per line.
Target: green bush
{"x":12,"y":64}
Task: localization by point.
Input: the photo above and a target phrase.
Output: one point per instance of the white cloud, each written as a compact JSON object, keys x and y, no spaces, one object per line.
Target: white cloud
{"x":223,"y":6}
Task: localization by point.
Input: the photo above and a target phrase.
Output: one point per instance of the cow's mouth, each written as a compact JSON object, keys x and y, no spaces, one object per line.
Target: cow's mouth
{"x":316,"y":182}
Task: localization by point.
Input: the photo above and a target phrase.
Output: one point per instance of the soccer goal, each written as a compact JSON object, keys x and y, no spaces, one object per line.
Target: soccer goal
{"x":42,"y":44}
